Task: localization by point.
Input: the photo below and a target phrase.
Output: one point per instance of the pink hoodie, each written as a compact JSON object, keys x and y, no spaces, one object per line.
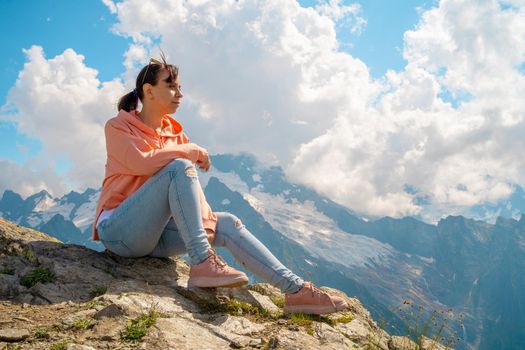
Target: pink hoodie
{"x":135,"y":152}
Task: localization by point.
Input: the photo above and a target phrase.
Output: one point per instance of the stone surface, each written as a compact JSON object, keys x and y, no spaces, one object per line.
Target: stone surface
{"x":429,"y":344}
{"x":112,"y":310}
{"x":402,"y":343}
{"x":79,"y":347}
{"x":182,"y":318}
{"x":13,"y":334}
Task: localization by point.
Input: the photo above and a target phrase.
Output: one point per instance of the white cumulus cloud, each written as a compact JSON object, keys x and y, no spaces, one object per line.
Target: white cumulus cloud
{"x":268,"y":77}
{"x":60,"y":102}
{"x":30,"y":178}
{"x":412,"y":138}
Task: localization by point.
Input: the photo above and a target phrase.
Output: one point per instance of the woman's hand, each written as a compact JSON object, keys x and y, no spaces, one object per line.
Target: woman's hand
{"x":204,"y":161}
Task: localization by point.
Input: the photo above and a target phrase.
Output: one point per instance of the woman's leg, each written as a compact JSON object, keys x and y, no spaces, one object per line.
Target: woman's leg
{"x":252,"y":254}
{"x":170,"y":242}
{"x":135,"y":227}
{"x":248,"y":250}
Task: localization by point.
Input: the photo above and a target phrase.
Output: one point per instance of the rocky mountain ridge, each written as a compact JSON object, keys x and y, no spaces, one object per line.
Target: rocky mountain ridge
{"x":66,"y":296}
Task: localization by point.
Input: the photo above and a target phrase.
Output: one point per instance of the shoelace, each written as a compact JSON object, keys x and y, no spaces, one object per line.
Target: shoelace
{"x":315,"y":290}
{"x":218,"y":260}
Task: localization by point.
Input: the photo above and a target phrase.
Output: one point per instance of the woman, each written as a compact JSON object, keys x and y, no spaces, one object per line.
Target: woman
{"x":152,"y":203}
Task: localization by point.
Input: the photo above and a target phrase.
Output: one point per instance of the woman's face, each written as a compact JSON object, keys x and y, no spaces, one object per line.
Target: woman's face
{"x":165,"y":95}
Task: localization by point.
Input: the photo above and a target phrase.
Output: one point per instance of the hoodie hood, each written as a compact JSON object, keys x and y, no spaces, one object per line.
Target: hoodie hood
{"x":170,"y":127}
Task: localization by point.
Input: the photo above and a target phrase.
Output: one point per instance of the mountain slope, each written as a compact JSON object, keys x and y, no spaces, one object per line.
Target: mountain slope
{"x":69,"y":217}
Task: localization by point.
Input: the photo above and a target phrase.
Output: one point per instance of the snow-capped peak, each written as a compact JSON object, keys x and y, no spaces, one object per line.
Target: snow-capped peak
{"x":43,"y":201}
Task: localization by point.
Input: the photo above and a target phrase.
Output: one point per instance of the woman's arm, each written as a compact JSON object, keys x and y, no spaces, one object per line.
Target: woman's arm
{"x":139,"y":157}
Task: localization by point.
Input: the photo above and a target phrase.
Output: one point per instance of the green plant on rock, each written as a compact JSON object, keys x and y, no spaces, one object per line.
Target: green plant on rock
{"x":92,"y":304}
{"x":237,"y":308}
{"x":277,"y":300}
{"x":138,"y":328}
{"x":61,"y":345}
{"x":344,"y":318}
{"x":257,"y":288}
{"x":98,"y":291}
{"x":302,"y":319}
{"x":271,"y":343}
{"x":82,"y":323}
{"x":39,"y":274}
{"x":42,"y":333}
{"x":58,"y":327}
{"x":29,"y":255}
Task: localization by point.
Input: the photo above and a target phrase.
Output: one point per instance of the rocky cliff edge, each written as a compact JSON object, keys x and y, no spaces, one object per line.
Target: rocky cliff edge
{"x":63,"y":296}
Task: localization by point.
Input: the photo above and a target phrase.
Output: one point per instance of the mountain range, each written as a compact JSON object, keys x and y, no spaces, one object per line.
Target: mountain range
{"x":468,"y":270}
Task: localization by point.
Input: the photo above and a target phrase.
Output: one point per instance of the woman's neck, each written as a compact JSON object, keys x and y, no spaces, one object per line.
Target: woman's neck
{"x":151,"y":118}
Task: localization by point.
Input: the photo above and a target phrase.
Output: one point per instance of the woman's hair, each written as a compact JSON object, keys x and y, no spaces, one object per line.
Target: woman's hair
{"x":148,"y":74}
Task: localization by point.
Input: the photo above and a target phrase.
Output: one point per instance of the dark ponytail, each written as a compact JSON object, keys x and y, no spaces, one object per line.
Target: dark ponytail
{"x":128,"y":102}
{"x":148,"y":74}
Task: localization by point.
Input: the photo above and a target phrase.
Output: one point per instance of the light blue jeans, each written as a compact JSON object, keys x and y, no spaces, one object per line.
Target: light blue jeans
{"x":163,"y":218}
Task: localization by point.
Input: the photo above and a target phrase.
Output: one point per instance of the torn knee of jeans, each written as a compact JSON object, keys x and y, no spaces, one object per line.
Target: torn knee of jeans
{"x":190,"y":171}
{"x":238,"y":223}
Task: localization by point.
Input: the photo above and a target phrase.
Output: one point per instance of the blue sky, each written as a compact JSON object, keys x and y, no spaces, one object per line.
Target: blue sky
{"x":53,"y":25}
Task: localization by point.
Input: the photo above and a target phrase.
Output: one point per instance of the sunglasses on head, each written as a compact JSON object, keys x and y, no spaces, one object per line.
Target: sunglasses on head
{"x":154,"y":61}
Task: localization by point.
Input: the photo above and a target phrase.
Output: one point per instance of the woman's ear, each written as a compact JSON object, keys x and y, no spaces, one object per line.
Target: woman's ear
{"x":146,"y":89}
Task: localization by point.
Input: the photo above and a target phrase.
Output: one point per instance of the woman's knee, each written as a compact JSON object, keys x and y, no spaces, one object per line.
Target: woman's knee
{"x":181,"y":164}
{"x":229,"y":221}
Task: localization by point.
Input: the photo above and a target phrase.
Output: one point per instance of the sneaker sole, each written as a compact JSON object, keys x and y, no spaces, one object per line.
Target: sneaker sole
{"x":314,"y":309}
{"x":214,"y":282}
{"x":309,"y":309}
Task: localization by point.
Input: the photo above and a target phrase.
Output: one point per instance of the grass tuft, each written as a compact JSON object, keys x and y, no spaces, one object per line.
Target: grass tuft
{"x":237,"y":308}
{"x":93,"y":303}
{"x":137,"y":328}
{"x":29,"y":255}
{"x":302,"y":319}
{"x":344,"y":318}
{"x":98,"y":291}
{"x":278,"y":300}
{"x":39,"y":274}
{"x":61,"y":345}
{"x":257,"y":288}
{"x":82,"y":323}
{"x":42,"y":333}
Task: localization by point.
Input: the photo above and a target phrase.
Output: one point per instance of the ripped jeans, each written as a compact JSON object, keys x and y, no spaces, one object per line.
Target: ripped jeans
{"x":163,"y":218}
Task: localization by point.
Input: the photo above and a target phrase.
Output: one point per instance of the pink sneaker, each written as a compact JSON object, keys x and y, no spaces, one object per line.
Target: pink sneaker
{"x":312,"y":300}
{"x":214,"y":272}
